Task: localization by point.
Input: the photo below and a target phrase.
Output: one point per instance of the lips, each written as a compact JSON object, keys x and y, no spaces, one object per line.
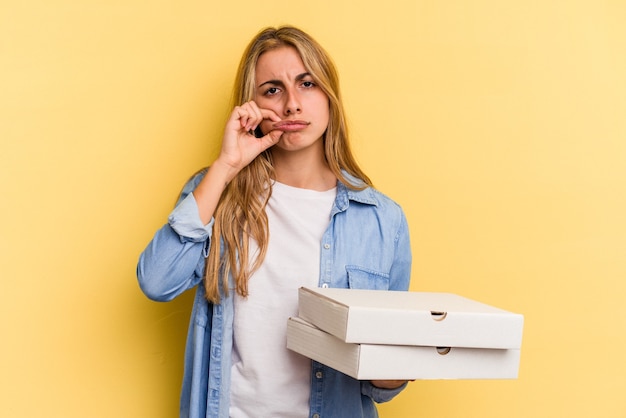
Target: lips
{"x":291,"y":125}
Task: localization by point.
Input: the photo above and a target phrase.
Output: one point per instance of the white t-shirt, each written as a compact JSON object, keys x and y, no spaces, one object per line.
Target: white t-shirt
{"x":268,"y":380}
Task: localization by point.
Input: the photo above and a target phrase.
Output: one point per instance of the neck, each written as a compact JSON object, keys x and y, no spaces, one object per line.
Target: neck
{"x":303,"y":171}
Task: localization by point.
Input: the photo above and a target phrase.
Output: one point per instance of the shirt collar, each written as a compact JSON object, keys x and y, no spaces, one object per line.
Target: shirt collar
{"x":345,"y":194}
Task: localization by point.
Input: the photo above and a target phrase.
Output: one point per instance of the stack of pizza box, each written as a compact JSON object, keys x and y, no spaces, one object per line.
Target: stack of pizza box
{"x":376,"y":334}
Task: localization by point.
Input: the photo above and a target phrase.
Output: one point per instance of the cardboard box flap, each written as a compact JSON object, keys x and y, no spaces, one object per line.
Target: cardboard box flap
{"x":367,"y":361}
{"x":409,"y":318}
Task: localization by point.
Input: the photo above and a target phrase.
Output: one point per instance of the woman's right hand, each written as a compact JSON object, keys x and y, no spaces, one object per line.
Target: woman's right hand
{"x":240,"y":146}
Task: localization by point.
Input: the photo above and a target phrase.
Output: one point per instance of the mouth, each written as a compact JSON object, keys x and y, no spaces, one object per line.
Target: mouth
{"x":290,"y":125}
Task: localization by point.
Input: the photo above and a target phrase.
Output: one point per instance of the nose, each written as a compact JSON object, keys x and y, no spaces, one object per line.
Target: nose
{"x":292,"y":104}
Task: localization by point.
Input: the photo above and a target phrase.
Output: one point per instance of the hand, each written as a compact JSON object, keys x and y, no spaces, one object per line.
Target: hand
{"x":389,"y":384}
{"x":239,"y":148}
{"x":239,"y":145}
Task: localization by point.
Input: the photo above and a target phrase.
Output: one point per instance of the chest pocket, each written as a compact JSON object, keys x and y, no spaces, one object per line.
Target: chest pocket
{"x":361,"y":278}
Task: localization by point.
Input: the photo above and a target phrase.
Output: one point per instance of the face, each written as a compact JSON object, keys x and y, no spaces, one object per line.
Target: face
{"x":284,"y":86}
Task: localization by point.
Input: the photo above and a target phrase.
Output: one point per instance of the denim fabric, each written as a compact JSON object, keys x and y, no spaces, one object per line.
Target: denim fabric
{"x":365,"y":246}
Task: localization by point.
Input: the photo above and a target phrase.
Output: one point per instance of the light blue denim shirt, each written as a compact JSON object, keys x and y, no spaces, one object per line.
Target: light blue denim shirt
{"x":366,"y":246}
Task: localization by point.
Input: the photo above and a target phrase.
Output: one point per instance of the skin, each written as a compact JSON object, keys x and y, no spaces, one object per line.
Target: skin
{"x":285,"y":87}
{"x":293,"y":113}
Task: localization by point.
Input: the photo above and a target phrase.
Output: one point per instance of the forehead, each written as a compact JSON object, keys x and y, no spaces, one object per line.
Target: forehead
{"x":281,"y":63}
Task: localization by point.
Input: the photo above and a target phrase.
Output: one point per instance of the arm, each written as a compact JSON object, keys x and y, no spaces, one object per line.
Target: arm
{"x":400,"y":275}
{"x":239,"y":148}
{"x":380,"y":395}
{"x":174,"y":260}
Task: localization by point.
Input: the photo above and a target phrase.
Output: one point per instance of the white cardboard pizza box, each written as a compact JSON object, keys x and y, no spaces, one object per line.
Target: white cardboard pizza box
{"x":409,"y":318}
{"x":400,"y":362}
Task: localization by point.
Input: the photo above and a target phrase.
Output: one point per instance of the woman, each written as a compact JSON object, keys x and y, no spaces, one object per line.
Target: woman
{"x":284,"y":205}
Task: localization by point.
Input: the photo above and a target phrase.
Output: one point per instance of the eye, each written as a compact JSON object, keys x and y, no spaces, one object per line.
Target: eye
{"x":308,"y":84}
{"x":271,"y":91}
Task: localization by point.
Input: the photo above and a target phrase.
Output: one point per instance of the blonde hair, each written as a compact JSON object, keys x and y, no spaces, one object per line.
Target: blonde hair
{"x":240,"y":214}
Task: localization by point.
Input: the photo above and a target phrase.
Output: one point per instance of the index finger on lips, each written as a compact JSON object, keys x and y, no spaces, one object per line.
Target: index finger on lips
{"x":270,"y":115}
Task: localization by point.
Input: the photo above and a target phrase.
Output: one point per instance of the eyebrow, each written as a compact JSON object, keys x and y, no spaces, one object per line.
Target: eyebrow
{"x":279,"y":83}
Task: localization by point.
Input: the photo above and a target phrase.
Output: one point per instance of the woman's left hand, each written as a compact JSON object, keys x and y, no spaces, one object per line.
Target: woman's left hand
{"x":389,"y":384}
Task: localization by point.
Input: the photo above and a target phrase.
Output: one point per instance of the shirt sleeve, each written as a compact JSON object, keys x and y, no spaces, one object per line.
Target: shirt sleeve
{"x":174,"y":260}
{"x":380,"y":395}
{"x":400,"y":276}
{"x":400,"y":273}
{"x":185,"y":221}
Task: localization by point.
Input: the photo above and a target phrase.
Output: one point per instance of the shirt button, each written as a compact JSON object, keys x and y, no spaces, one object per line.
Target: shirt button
{"x":319,"y":375}
{"x":326,"y":246}
{"x":325,"y":285}
{"x":316,"y":415}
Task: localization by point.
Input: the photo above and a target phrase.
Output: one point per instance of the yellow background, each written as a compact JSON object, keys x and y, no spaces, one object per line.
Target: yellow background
{"x":498,"y":125}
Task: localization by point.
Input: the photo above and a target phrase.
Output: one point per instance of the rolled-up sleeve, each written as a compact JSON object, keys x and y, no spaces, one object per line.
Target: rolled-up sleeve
{"x":185,"y":221}
{"x":173,"y":261}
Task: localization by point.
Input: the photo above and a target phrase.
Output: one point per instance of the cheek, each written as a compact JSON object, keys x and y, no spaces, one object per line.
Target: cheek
{"x":326,"y":112}
{"x":325,"y":106}
{"x":261,"y":100}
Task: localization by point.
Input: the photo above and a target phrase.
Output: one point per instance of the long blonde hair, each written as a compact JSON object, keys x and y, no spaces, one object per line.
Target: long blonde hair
{"x":240,"y":214}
